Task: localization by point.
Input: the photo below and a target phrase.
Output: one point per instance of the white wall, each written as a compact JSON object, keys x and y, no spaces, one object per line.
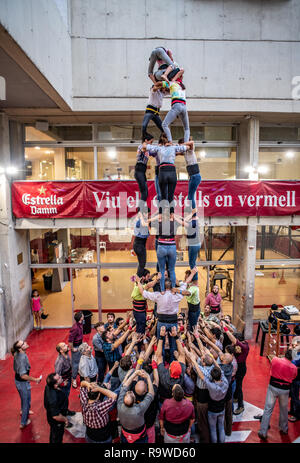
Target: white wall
{"x":41,"y":29}
{"x":242,"y":53}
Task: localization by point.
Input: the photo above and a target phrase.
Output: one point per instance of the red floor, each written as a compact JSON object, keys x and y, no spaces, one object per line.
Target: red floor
{"x":42,"y":355}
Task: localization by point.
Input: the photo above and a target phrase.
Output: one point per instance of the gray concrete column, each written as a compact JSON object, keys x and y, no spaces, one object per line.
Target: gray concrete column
{"x":244,"y":276}
{"x":248,"y":146}
{"x":15,"y":279}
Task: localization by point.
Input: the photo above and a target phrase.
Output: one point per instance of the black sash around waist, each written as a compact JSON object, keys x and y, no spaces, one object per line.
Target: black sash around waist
{"x":99,"y":434}
{"x":164,"y":318}
{"x":280,"y":383}
{"x":176,"y":429}
{"x":193,"y":169}
{"x":140,"y":167}
{"x":193,"y":307}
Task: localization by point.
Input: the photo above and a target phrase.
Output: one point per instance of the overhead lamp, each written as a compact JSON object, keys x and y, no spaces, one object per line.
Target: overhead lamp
{"x":37,"y":147}
{"x":11,"y":170}
{"x":290,"y":154}
{"x":202,"y":153}
{"x":262,"y":169}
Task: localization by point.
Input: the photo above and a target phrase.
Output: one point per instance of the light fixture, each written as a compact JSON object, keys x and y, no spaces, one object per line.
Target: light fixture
{"x":202,"y":154}
{"x":112,"y":153}
{"x":249,"y":169}
{"x":37,"y":147}
{"x":262,"y":169}
{"x":11,"y":170}
{"x":290,"y":154}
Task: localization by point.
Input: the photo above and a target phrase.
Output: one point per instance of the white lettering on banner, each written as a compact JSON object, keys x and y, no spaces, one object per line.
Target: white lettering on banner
{"x":43,"y":210}
{"x":27,"y":199}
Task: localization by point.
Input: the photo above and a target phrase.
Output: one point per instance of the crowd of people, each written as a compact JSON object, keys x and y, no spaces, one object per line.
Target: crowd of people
{"x":163,"y":375}
{"x":170,"y":384}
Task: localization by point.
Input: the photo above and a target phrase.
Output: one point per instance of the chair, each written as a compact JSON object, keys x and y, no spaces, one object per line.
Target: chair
{"x":102,"y":245}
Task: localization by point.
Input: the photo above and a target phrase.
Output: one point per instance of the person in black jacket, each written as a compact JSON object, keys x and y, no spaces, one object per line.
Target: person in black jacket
{"x":56,"y":405}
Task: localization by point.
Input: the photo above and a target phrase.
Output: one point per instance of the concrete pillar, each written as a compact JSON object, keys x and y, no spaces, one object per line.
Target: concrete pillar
{"x":248,"y":147}
{"x":244,"y":276}
{"x":245,"y":237}
{"x":15,"y":280}
{"x":17,"y":149}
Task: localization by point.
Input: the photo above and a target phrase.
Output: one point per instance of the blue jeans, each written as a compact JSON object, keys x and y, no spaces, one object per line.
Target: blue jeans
{"x":172,"y":342}
{"x":193,"y":254}
{"x":158,"y":193}
{"x":101,"y":363}
{"x":194,"y":182}
{"x":233,"y":385}
{"x":75,"y":359}
{"x":66,"y":391}
{"x":166,"y":253}
{"x":24,"y":389}
{"x":90,"y":441}
{"x":193,"y":318}
{"x":216,"y":426}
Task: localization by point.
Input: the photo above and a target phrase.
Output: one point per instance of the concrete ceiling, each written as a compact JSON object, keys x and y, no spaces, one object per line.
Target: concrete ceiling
{"x":21,"y":90}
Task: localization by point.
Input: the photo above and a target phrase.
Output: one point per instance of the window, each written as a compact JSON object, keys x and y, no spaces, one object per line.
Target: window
{"x":59,"y":133}
{"x":42,"y":163}
{"x":79,"y":164}
{"x":278,"y":242}
{"x":279,"y":163}
{"x":117,"y":163}
{"x":279,"y":134}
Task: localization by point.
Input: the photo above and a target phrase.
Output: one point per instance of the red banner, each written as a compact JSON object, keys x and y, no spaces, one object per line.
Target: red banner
{"x":224,"y":198}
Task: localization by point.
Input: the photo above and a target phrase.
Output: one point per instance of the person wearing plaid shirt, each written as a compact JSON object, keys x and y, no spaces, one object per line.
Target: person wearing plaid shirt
{"x":95,"y":412}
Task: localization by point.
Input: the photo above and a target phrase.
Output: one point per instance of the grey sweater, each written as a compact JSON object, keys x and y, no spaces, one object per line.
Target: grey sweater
{"x":132,"y":417}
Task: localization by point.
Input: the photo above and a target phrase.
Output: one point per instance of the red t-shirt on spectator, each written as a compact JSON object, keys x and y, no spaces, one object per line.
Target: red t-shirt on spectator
{"x":282,"y":368}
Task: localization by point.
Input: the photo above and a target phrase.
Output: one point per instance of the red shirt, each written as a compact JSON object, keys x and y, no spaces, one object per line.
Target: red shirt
{"x":177,"y":412}
{"x":282,"y":368}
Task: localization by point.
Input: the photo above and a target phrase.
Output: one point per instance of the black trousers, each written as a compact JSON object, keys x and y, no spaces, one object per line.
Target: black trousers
{"x":167,"y":179}
{"x":151,"y":117}
{"x":141,"y":179}
{"x":139,"y":247}
{"x":239,"y":377}
{"x":56,"y":433}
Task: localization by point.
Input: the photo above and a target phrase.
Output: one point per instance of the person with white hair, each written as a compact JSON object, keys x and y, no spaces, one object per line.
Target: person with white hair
{"x":88,"y":368}
{"x":295,"y":386}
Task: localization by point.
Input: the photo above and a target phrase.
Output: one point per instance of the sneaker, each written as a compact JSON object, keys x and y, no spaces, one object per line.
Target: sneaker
{"x":283,"y":432}
{"x":262,"y":437}
{"x":71,"y":413}
{"x":238,"y":411}
{"x":22,"y":426}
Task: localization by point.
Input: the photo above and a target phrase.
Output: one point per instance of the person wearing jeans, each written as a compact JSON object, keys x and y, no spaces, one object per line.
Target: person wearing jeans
{"x":217,"y":386}
{"x":282,"y":373}
{"x":23,"y":379}
{"x":98,"y":348}
{"x":75,"y":339}
{"x":241,"y":351}
{"x":164,"y":58}
{"x":193,"y":171}
{"x":178,"y":107}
